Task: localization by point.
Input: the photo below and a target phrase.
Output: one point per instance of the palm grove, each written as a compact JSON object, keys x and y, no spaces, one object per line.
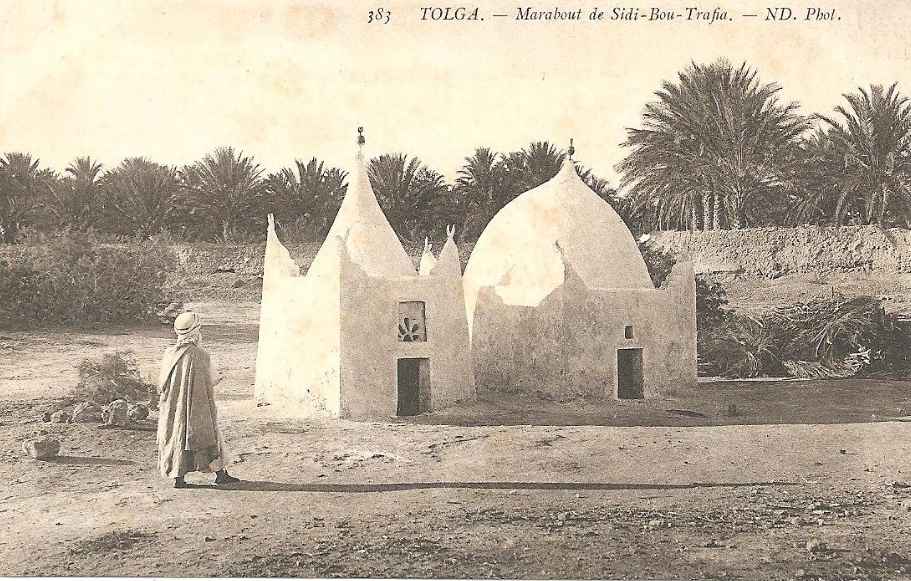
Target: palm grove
{"x":717,"y":148}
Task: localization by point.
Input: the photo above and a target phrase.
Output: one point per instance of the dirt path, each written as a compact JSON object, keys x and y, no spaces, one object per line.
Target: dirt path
{"x":497,"y":488}
{"x":401,"y":500}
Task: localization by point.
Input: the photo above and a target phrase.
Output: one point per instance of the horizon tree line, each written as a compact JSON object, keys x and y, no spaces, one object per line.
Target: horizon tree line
{"x":716,"y":148}
{"x":226,"y":195}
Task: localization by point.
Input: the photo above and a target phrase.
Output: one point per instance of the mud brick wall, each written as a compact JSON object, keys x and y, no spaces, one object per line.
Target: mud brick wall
{"x":773,"y":252}
{"x":760,"y":252}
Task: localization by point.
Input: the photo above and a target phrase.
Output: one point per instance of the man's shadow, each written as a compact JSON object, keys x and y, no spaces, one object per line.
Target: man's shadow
{"x":268,"y":486}
{"x":89,"y":461}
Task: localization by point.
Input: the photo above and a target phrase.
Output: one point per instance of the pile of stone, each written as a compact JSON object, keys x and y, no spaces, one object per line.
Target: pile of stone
{"x":119,"y":412}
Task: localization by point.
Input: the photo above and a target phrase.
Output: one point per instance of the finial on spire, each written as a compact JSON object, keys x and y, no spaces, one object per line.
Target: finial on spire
{"x":360,"y":136}
{"x":572,"y":150}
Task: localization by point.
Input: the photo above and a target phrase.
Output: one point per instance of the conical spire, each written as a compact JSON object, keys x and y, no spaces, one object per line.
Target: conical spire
{"x":277,"y":258}
{"x":448,"y":263}
{"x":371,"y":242}
{"x":428,"y":261}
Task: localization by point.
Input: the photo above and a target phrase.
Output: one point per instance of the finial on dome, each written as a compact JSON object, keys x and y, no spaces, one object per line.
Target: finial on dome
{"x":572,"y":150}
{"x":360,"y":136}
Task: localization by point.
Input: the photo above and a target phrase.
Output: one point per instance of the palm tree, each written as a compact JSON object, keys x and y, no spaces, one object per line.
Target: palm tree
{"x":224,"y":187}
{"x":598,"y":184}
{"x":488,"y":181}
{"x":532,"y":166}
{"x":142,"y":196}
{"x":713,"y":143}
{"x":23,"y":185}
{"x":872,"y":142}
{"x":816,"y":181}
{"x":414,"y":197}
{"x":479,"y":191}
{"x":74,"y":201}
{"x":309,"y":197}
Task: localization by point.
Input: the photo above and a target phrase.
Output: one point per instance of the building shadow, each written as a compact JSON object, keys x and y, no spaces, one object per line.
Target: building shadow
{"x":89,"y":461}
{"x":268,"y":486}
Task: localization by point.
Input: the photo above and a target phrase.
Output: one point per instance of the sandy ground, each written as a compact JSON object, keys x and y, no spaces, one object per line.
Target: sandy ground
{"x":796,"y":480}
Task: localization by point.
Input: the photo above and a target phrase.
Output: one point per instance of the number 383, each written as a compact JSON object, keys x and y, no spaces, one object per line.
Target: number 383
{"x":380,"y":15}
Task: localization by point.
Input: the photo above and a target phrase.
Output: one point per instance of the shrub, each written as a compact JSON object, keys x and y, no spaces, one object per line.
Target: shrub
{"x":840,"y":333}
{"x":75,"y":279}
{"x":19,"y":284}
{"x":115,"y":376}
{"x":740,"y":347}
{"x":837,"y":337}
{"x":827,"y":330}
{"x":658,"y":262}
{"x":711,"y":303}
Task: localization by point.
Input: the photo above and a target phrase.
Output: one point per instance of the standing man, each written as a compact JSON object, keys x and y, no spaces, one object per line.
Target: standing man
{"x":188,"y":435}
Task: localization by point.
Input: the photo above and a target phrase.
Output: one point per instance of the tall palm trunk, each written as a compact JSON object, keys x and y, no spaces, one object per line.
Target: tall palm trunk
{"x":716,"y":211}
{"x":885,"y":204}
{"x":706,"y":211}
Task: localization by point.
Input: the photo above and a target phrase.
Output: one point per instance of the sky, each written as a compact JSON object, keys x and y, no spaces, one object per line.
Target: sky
{"x":284,"y":79}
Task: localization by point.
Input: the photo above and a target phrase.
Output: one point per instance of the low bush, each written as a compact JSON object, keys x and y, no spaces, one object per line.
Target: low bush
{"x":846,"y":335}
{"x":740,"y":347}
{"x":75,"y":279}
{"x":836,"y":337}
{"x":114,"y":376}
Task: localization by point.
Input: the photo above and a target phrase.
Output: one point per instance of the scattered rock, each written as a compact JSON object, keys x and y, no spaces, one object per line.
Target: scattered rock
{"x":41,"y":449}
{"x":116,"y":413}
{"x":86,"y":412}
{"x":816,"y":546}
{"x":60,"y":417}
{"x":238,"y":282}
{"x":137,"y":412}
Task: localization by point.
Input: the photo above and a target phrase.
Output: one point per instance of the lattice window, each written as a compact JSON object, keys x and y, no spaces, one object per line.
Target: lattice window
{"x":412,"y":322}
{"x":628,"y":332}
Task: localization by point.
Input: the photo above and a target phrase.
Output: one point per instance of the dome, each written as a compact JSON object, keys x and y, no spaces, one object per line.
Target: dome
{"x":522,"y":250}
{"x":370,"y":241}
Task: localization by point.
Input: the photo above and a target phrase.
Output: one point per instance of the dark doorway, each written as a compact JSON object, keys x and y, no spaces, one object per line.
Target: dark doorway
{"x":413,"y":386}
{"x":629,"y":373}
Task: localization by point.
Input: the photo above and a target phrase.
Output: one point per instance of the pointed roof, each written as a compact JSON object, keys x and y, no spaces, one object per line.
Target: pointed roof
{"x":448,"y":263}
{"x":519,"y":241}
{"x":277,"y":259}
{"x":370,"y":241}
{"x":428,"y":260}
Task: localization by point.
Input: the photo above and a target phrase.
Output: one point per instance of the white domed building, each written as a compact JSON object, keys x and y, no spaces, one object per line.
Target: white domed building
{"x":559,"y":300}
{"x":362,"y":333}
